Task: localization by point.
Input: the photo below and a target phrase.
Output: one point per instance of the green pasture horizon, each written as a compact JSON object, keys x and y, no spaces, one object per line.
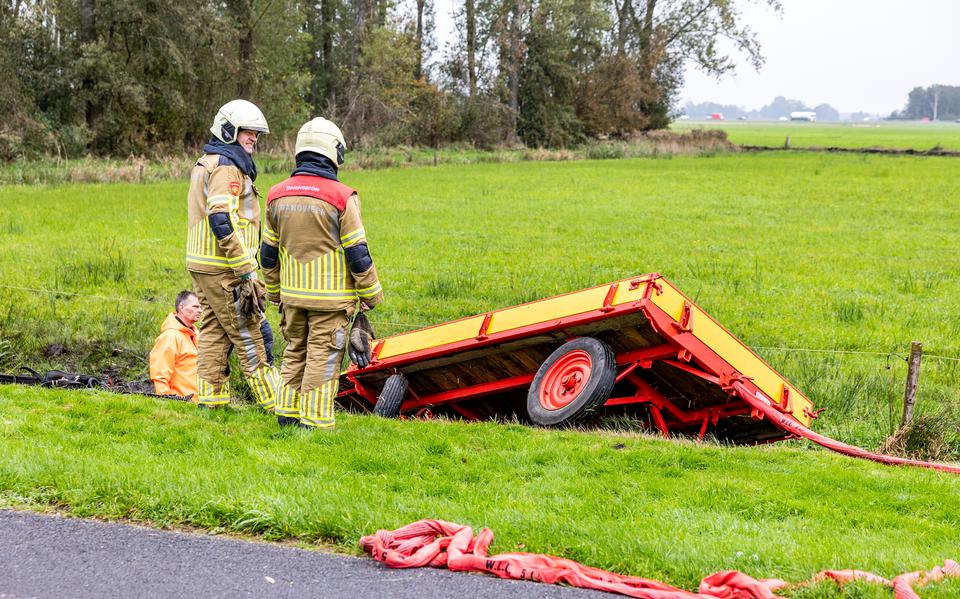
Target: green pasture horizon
{"x":894,"y":135}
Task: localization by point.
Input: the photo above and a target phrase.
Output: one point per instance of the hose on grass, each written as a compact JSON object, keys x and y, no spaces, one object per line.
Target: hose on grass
{"x":441,"y":544}
{"x":788,"y":424}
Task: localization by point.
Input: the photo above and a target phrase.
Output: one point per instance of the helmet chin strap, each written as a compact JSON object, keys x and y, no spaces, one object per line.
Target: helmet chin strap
{"x":228,"y":133}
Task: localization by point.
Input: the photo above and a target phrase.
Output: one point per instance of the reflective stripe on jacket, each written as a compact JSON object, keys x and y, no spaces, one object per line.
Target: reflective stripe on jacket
{"x":217,"y":186}
{"x":313,"y":234}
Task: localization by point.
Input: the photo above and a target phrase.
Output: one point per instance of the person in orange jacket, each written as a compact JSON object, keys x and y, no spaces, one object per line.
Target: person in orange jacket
{"x":173,"y":359}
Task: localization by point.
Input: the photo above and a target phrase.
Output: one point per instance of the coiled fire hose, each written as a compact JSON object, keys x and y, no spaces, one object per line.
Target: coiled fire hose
{"x":440,"y":544}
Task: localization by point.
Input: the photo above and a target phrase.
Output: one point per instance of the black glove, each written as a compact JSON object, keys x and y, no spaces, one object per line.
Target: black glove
{"x":250,"y":296}
{"x":363,"y":322}
{"x":360,"y":336}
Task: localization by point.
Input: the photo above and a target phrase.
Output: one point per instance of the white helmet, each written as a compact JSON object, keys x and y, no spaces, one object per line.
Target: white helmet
{"x":234,"y":116}
{"x":323,"y":137}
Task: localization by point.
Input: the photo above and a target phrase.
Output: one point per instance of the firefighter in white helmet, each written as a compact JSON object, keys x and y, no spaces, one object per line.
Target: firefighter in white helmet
{"x":317,"y":266}
{"x":223,"y":237}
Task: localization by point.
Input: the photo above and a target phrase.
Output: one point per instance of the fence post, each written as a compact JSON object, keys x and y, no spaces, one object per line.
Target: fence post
{"x":913,"y":376}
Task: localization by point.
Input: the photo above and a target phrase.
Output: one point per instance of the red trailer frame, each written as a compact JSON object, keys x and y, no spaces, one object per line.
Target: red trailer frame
{"x":672,"y":364}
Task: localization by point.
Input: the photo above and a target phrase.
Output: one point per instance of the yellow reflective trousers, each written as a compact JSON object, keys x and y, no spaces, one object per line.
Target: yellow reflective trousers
{"x":311,"y":364}
{"x":224,"y":328}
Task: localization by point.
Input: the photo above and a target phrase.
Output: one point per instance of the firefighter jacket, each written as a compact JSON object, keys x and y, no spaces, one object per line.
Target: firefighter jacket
{"x":173,"y":359}
{"x":314,"y":252}
{"x":223,"y":218}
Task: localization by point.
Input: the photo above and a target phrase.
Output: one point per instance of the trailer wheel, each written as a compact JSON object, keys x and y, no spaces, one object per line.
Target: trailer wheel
{"x":573,"y":383}
{"x":389,"y":400}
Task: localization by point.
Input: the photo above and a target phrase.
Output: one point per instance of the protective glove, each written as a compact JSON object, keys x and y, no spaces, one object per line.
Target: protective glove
{"x":251,"y":297}
{"x":360,"y":336}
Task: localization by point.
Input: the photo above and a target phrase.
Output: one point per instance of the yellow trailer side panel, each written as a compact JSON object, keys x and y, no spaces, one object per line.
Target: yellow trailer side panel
{"x":515,"y":317}
{"x":547,"y":310}
{"x":625,"y":294}
{"x":450,"y":332}
{"x":730,"y":349}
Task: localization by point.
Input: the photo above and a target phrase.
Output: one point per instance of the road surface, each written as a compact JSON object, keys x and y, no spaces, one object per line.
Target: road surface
{"x":51,"y":556}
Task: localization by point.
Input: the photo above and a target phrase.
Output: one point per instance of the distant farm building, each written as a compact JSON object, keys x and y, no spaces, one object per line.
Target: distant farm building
{"x":803,"y":116}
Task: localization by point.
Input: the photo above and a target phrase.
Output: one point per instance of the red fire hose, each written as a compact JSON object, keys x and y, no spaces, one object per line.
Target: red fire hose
{"x":442,"y":544}
{"x":790,"y":425}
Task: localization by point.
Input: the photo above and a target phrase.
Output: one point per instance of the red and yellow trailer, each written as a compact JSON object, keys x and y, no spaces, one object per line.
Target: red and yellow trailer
{"x":636,"y":346}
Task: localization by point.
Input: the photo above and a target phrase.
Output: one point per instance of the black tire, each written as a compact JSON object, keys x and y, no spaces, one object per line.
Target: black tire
{"x":590,"y":396}
{"x":388,"y":403}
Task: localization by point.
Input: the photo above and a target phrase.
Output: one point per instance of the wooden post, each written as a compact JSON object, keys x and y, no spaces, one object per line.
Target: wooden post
{"x":786,"y":143}
{"x":913,"y":376}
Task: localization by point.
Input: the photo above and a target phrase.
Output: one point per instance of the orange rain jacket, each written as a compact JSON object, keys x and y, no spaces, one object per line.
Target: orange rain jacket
{"x":173,"y":359}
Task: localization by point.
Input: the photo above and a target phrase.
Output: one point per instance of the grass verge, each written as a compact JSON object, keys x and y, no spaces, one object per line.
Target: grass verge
{"x":674,"y":511}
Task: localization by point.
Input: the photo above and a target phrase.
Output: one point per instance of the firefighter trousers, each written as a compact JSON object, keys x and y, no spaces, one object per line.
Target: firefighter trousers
{"x":223,"y":328}
{"x":311,"y":364}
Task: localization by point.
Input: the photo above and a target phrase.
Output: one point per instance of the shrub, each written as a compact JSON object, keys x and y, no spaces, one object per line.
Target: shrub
{"x":928,"y":437}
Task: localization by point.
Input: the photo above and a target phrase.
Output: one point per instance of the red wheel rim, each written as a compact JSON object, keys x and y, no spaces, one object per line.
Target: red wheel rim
{"x":565,"y":379}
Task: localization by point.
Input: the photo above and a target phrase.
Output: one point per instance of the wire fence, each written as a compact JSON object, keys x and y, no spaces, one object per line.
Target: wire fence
{"x":112,"y":298}
{"x":411,"y":326}
{"x":853,"y":352}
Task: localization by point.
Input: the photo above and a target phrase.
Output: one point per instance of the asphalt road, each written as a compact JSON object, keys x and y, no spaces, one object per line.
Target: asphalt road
{"x":45,"y":556}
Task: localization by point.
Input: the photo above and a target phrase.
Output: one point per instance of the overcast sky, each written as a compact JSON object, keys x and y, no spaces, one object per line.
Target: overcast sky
{"x":852,"y":54}
{"x":856,"y":55}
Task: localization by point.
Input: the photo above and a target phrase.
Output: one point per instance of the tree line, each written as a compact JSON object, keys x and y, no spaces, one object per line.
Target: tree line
{"x":936,"y":102}
{"x":112,"y":77}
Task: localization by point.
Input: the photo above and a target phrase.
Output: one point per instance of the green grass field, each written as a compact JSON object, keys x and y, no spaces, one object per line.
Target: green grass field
{"x":808,"y":252}
{"x":675,"y":511}
{"x":873,"y":134}
{"x":828,"y":265}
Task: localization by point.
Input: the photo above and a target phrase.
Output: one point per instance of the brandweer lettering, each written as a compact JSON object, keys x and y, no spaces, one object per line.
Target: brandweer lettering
{"x":298,"y":208}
